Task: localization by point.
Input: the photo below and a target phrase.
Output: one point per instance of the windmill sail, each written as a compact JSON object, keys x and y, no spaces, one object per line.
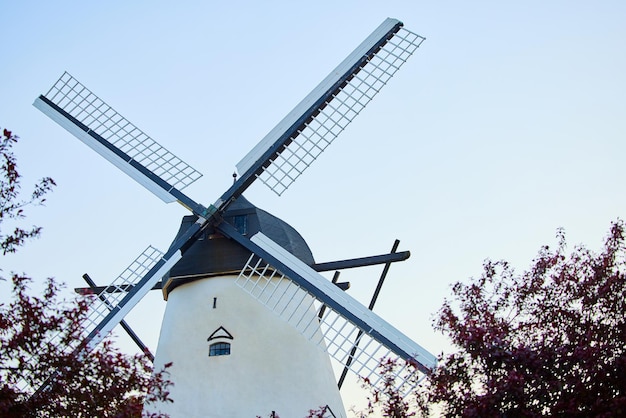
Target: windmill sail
{"x":84,"y":115}
{"x":296,"y":293}
{"x":99,"y":307}
{"x":316,"y":121}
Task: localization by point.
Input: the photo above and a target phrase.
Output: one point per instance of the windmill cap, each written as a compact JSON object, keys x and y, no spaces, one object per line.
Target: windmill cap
{"x":215,"y":255}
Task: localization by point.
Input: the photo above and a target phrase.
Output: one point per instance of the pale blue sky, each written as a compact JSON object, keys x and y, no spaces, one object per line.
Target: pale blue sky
{"x":506,"y":124}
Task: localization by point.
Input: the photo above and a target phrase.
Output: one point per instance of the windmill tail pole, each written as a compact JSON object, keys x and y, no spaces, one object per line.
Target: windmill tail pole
{"x":383,"y":276}
{"x":323,"y":308}
{"x":379,"y":286}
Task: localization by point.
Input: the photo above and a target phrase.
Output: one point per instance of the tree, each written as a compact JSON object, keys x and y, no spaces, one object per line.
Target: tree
{"x":548,"y":342}
{"x":11,"y":207}
{"x":35,"y":331}
{"x":387,"y":399}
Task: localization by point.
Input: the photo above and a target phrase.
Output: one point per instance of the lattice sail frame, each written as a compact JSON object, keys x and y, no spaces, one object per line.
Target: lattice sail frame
{"x":87,"y":108}
{"x":331,"y":332}
{"x":116,"y":291}
{"x":337,"y":113}
{"x":98,"y":307}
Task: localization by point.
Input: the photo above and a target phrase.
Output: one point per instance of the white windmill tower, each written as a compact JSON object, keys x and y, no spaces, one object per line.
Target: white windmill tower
{"x":241,"y":357}
{"x":250,"y":324}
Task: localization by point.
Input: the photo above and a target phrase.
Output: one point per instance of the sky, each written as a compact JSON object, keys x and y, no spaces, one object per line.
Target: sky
{"x":506,"y":124}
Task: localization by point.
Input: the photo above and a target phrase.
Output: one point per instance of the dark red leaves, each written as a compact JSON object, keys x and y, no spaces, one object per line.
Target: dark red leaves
{"x":548,"y":342}
{"x":551,"y":341}
{"x":11,"y":206}
{"x":106,"y":383}
{"x":35,"y":331}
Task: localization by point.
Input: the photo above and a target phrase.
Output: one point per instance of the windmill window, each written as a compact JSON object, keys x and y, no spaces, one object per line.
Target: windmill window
{"x":241,"y":224}
{"x":219,"y":349}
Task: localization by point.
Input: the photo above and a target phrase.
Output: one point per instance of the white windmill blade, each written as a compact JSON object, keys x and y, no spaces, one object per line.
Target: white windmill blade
{"x":295,"y":292}
{"x":296,"y":141}
{"x":93,"y":327}
{"x":116,"y":300}
{"x":87,"y":117}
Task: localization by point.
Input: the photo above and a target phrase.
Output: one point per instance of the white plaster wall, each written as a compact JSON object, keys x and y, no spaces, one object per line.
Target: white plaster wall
{"x":271,"y":366}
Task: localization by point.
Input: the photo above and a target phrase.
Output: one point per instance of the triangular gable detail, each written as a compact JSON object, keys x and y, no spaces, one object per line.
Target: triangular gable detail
{"x":220,"y":333}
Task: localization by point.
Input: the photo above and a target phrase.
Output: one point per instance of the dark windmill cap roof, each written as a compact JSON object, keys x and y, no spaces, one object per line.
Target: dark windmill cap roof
{"x":214,"y":255}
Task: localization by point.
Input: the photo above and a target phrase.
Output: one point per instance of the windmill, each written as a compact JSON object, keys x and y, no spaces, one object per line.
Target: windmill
{"x":250,"y":324}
